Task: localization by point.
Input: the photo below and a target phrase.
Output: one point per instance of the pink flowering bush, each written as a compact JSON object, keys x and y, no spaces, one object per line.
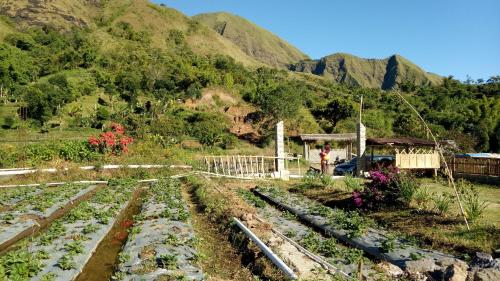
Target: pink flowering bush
{"x":114,"y":141}
{"x":383,"y":189}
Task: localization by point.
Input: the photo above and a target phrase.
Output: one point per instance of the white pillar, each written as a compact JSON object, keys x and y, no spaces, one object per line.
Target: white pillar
{"x":361,"y":146}
{"x":280,"y":147}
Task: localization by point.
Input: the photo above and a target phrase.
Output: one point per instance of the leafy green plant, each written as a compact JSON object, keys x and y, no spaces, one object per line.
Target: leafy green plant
{"x":251,"y":198}
{"x":352,"y":183}
{"x":328,"y":247}
{"x":422,"y":197}
{"x":416,"y":256}
{"x":51,"y":276}
{"x":66,"y":262}
{"x":311,"y":241}
{"x":442,"y":202}
{"x":90,"y":228}
{"x":407,"y":186}
{"x":19,"y":265}
{"x":473,"y":205}
{"x":123,"y":257}
{"x":389,"y":244}
{"x":73,"y":248}
{"x":168,"y":261}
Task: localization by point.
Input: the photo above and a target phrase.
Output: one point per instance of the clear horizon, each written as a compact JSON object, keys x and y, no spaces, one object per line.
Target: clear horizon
{"x":445,"y":37}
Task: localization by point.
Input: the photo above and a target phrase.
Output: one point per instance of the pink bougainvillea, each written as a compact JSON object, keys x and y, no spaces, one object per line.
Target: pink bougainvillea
{"x":380,"y":190}
{"x":114,"y":141}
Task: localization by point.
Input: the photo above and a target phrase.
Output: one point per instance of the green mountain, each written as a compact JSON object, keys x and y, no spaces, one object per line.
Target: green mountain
{"x":373,"y":73}
{"x":255,"y":41}
{"x":149,"y":21}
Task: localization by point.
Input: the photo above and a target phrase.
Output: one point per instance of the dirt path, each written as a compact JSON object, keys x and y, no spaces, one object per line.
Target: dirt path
{"x":221,"y":261}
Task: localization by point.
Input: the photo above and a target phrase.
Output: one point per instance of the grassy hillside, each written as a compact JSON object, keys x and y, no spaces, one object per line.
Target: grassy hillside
{"x":255,"y":41}
{"x":373,"y":73}
{"x":148,"y":21}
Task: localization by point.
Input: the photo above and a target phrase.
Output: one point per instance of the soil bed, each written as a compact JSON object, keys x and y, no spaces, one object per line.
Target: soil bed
{"x":33,"y":224}
{"x":103,"y":262}
{"x":349,"y":228}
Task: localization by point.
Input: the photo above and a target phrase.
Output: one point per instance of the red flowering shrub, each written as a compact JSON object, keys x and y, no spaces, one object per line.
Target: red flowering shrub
{"x":114,"y":141}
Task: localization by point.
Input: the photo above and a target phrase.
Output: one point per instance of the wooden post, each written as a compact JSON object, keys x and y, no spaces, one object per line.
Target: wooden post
{"x":208,"y":164}
{"x":298,"y":165}
{"x":241,"y":166}
{"x":215,"y":166}
{"x":263,"y":170}
{"x":222,"y":164}
{"x":235,"y":166}
{"x":228,"y":165}
{"x":251,"y":166}
{"x":246,"y":164}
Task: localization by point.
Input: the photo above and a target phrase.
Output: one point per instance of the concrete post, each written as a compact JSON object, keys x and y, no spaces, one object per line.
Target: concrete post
{"x":280,"y":147}
{"x":361,"y":146}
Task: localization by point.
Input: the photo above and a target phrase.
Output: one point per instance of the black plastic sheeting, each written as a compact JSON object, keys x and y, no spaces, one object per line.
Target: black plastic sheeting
{"x":370,"y":242}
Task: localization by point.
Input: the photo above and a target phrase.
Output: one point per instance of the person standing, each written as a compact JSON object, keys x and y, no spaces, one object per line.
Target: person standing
{"x":326,"y":158}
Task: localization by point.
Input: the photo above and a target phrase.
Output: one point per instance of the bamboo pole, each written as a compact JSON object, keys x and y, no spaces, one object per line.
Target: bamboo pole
{"x":451,"y":181}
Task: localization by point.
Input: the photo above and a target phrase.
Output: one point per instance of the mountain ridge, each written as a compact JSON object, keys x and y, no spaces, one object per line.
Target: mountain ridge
{"x":384,"y":73}
{"x":254,"y":40}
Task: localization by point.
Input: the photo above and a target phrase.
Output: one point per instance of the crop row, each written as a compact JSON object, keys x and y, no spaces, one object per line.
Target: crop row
{"x":350,"y":227}
{"x":162,"y":243}
{"x":61,"y":252}
{"x":22,"y":216}
{"x":11,"y":196}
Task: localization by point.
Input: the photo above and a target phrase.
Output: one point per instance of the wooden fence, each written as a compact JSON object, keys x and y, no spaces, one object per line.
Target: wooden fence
{"x":475,"y":166}
{"x":245,"y":166}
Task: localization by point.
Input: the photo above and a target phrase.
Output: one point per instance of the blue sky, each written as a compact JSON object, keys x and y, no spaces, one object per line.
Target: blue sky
{"x":447,"y":37}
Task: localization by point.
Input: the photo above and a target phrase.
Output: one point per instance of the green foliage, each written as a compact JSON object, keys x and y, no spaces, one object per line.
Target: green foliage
{"x":19,"y":265}
{"x":389,"y":244}
{"x":473,"y":205}
{"x":209,"y":129}
{"x":407,"y":186}
{"x":442,"y":202}
{"x":336,"y":110}
{"x":422,"y":197}
{"x":352,"y":183}
{"x":252,"y":198}
{"x":168,"y":261}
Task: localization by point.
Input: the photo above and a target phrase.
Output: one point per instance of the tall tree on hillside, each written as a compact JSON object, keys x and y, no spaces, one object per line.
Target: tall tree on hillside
{"x":336,"y":110}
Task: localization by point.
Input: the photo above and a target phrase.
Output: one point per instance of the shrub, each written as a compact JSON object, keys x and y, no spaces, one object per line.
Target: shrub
{"x":422,"y":197}
{"x":352,"y":183}
{"x":442,"y":202}
{"x":8,"y":122}
{"x":114,"y":141}
{"x":76,"y":151}
{"x":407,"y":187}
{"x":473,"y":205}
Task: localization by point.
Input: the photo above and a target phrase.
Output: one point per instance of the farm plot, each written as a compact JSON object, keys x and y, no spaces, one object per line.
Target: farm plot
{"x":162,"y":243}
{"x":64,"y":248}
{"x":351,"y":228}
{"x":11,"y":196}
{"x":343,"y":258}
{"x":30,"y":206}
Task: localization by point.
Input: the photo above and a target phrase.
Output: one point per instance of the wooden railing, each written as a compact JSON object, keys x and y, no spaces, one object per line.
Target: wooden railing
{"x":475,"y":166}
{"x":245,"y":166}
